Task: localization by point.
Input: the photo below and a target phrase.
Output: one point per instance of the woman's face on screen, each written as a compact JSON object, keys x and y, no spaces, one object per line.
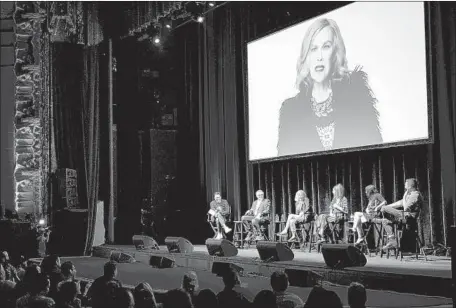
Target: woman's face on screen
{"x":320,"y":55}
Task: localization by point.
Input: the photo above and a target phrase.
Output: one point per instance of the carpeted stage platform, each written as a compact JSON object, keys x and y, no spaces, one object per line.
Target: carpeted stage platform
{"x":431,"y":278}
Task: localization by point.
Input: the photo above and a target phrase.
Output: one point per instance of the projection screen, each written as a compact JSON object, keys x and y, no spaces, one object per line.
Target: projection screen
{"x":351,"y":78}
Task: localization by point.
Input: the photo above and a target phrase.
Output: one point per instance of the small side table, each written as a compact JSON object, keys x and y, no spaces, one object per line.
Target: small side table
{"x":349,"y":234}
{"x":238,"y":234}
{"x":279,"y":226}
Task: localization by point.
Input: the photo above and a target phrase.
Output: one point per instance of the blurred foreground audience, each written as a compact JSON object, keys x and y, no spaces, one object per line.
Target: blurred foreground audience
{"x":54,"y":285}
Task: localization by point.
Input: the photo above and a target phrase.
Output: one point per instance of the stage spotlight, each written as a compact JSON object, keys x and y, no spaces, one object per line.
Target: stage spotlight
{"x":157,"y":40}
{"x":167,"y":23}
{"x":211,"y":4}
{"x":200,"y":19}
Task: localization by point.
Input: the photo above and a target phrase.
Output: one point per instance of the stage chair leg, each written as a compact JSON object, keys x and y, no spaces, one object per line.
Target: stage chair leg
{"x":379,"y":240}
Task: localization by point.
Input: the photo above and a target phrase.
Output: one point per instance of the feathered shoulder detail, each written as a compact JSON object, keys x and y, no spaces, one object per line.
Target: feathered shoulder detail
{"x":356,"y":94}
{"x":357,"y":77}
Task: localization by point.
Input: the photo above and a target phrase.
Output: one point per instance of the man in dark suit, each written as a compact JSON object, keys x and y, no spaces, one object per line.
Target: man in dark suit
{"x":258,"y":213}
{"x":220,"y":211}
{"x":408,"y":209}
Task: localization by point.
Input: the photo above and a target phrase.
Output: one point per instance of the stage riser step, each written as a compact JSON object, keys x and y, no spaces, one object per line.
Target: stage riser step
{"x":414,"y":284}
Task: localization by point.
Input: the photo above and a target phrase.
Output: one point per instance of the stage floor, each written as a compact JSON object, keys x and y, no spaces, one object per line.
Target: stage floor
{"x":132,"y":274}
{"x":430,"y":278}
{"x":435,"y":266}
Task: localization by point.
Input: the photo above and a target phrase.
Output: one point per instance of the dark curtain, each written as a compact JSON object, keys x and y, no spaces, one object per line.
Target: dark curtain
{"x":66,"y":79}
{"x":91,"y":141}
{"x":214,"y":101}
{"x":75,"y":84}
{"x":213,"y":92}
{"x":444,"y":39}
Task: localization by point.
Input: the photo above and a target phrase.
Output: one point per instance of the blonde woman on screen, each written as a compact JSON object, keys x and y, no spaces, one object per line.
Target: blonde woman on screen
{"x":303,"y":212}
{"x":335,"y":108}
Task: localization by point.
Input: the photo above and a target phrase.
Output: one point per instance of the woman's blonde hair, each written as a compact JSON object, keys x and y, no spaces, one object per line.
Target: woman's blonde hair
{"x":339,"y":192}
{"x":339,"y":60}
{"x":301,"y":195}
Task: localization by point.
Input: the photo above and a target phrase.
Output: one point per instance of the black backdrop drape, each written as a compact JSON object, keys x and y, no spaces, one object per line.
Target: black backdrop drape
{"x":75,"y":93}
{"x":213,"y":118}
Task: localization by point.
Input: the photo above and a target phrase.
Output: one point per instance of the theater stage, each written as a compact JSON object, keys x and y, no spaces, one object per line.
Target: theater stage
{"x":432,"y":277}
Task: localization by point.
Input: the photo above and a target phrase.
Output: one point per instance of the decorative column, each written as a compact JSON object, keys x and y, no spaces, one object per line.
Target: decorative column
{"x":29,"y":135}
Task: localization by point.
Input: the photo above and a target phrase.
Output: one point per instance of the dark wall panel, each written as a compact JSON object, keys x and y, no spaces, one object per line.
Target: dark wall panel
{"x":7,"y":104}
{"x":7,"y":137}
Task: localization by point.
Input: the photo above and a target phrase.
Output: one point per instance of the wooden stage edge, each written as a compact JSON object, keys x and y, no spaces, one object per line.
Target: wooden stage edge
{"x":431,"y":277}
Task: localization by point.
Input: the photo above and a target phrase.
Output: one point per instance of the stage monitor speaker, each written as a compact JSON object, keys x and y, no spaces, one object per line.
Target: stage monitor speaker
{"x":144,"y":242}
{"x":161,"y":262}
{"x":274,"y":251}
{"x":221,"y":268}
{"x":342,"y":255}
{"x":121,"y":257}
{"x":178,"y":245}
{"x":302,"y":278}
{"x":221,"y":248}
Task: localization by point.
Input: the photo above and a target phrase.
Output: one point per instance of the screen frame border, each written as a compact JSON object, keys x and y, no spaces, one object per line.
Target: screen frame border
{"x":430,"y":80}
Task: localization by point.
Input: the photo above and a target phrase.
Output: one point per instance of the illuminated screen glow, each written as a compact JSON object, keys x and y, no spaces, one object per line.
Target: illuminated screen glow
{"x":307,"y":95}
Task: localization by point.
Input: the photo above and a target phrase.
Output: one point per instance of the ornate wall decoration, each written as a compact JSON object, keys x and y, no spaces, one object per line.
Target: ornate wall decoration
{"x":62,"y":20}
{"x":75,"y":22}
{"x":29,"y":173}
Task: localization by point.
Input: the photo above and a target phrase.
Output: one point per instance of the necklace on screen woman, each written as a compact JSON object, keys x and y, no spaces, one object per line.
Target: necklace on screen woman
{"x":324,"y":108}
{"x":325,"y":132}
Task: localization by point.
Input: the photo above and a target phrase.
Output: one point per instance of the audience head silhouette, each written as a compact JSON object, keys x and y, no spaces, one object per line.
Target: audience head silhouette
{"x":68,"y":269}
{"x":357,"y":296}
{"x":177,"y":298}
{"x":231,"y":279}
{"x":50,"y":264}
{"x":320,"y":297}
{"x":110,"y":270}
{"x":206,"y":298}
{"x":279,"y":281}
{"x":265,"y":299}
{"x":144,"y":296}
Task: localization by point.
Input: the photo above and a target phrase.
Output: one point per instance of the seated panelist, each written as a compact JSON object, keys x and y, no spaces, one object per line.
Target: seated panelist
{"x":303,"y":213}
{"x":258,"y":213}
{"x":405,"y":210}
{"x":220,"y":211}
{"x":372,"y":213}
{"x":338,"y":208}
